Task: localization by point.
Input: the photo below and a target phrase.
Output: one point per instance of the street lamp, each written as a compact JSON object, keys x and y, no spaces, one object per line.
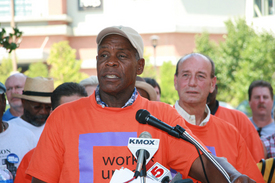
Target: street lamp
{"x":154,"y":41}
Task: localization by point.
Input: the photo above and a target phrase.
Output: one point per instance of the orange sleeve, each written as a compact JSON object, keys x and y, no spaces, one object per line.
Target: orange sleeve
{"x":21,"y":176}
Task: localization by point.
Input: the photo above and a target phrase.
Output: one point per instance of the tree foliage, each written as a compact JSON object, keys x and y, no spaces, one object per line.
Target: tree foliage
{"x":165,"y":79}
{"x":6,"y":40}
{"x":164,"y":75}
{"x":168,"y":93}
{"x":149,"y":70}
{"x":63,"y":64}
{"x":244,"y":56}
{"x":5,"y":69}
{"x":37,"y":69}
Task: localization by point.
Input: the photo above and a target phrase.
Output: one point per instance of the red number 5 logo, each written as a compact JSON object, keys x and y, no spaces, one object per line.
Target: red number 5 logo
{"x":157,"y":171}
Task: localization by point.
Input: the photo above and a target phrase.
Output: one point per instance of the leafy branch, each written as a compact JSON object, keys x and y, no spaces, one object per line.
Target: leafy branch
{"x":6,"y":41}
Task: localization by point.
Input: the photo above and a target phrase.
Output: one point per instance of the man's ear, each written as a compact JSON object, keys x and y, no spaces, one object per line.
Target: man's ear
{"x":176,"y":82}
{"x":213,"y":84}
{"x":140,"y":66}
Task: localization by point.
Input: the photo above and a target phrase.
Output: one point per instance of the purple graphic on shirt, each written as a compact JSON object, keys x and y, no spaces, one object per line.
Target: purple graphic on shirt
{"x":212,"y":149}
{"x":86,"y":144}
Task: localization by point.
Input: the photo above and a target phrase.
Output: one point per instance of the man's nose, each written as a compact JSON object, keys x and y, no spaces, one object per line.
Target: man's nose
{"x":192,"y":80}
{"x":112,"y":61}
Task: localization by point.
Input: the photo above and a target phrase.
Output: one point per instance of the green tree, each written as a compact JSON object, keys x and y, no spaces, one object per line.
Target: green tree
{"x":168,"y":93}
{"x":5,"y":69}
{"x":5,"y":40}
{"x":149,"y":70}
{"x":244,"y":56}
{"x":165,"y":78}
{"x":37,"y":69}
{"x":63,"y":65}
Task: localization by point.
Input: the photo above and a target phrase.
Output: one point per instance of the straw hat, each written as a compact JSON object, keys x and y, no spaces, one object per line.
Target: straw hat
{"x":37,"y":89}
{"x":148,"y":88}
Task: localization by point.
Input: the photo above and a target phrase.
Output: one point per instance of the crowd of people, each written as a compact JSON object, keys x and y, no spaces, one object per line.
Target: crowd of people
{"x":78,"y":132}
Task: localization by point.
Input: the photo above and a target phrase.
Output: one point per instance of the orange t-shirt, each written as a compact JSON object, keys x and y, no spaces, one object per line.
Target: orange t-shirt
{"x":85,"y":142}
{"x":21,"y":176}
{"x":224,"y":140}
{"x":246,"y":129}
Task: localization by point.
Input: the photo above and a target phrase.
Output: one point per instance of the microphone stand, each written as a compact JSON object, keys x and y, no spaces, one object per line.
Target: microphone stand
{"x":185,"y":136}
{"x":143,"y":172}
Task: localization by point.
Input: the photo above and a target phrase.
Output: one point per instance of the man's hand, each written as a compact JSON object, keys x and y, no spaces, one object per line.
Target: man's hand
{"x":242,"y":179}
{"x":213,"y":174}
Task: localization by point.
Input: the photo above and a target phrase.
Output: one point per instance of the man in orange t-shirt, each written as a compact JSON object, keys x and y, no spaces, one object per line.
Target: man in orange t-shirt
{"x":194,"y":79}
{"x":66,"y":92}
{"x":86,"y":140}
{"x":241,"y":122}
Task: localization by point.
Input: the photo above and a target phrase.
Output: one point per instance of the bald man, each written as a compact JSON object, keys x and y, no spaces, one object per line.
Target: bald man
{"x":194,"y":80}
{"x":14,"y":84}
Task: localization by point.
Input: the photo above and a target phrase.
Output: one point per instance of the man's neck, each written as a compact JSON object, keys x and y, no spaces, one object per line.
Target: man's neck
{"x":262,"y":120}
{"x":17,"y":111}
{"x":198,"y":110}
{"x":115,"y":100}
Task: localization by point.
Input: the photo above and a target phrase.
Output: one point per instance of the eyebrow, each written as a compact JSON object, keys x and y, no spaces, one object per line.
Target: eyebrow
{"x":200,"y":72}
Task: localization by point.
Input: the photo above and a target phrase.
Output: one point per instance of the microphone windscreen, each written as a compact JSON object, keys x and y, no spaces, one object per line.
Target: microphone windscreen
{"x":141,"y":115}
{"x":145,"y":135}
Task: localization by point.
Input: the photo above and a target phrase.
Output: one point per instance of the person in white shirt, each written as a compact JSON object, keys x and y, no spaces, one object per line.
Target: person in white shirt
{"x":15,"y":141}
{"x":36,"y":100}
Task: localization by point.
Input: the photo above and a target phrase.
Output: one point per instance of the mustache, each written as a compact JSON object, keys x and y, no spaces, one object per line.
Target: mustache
{"x":261,"y":105}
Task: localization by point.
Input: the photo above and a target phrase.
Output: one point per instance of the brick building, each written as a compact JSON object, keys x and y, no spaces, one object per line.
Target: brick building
{"x":175,"y":22}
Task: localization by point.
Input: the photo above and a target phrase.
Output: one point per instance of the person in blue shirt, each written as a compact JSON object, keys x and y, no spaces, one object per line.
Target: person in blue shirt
{"x":14,"y":84}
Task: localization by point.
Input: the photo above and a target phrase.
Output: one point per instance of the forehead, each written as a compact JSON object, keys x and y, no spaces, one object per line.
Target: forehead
{"x":117,"y":41}
{"x":195,"y":63}
{"x":259,"y":90}
{"x":15,"y":80}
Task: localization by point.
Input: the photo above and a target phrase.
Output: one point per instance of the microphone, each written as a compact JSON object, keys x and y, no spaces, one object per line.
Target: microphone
{"x":143,"y":148}
{"x":143,"y":117}
{"x":142,"y":155}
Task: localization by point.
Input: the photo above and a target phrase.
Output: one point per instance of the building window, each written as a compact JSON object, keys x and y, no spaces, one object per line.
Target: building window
{"x":264,"y":7}
{"x":5,"y":8}
{"x":21,"y":7}
{"x":90,"y":5}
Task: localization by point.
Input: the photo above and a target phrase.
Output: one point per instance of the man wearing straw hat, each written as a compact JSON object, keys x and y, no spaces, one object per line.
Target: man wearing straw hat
{"x":36,"y":100}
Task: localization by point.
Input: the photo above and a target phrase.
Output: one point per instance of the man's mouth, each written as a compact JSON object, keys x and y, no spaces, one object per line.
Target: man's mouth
{"x":111,"y":76}
{"x":261,"y":106}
